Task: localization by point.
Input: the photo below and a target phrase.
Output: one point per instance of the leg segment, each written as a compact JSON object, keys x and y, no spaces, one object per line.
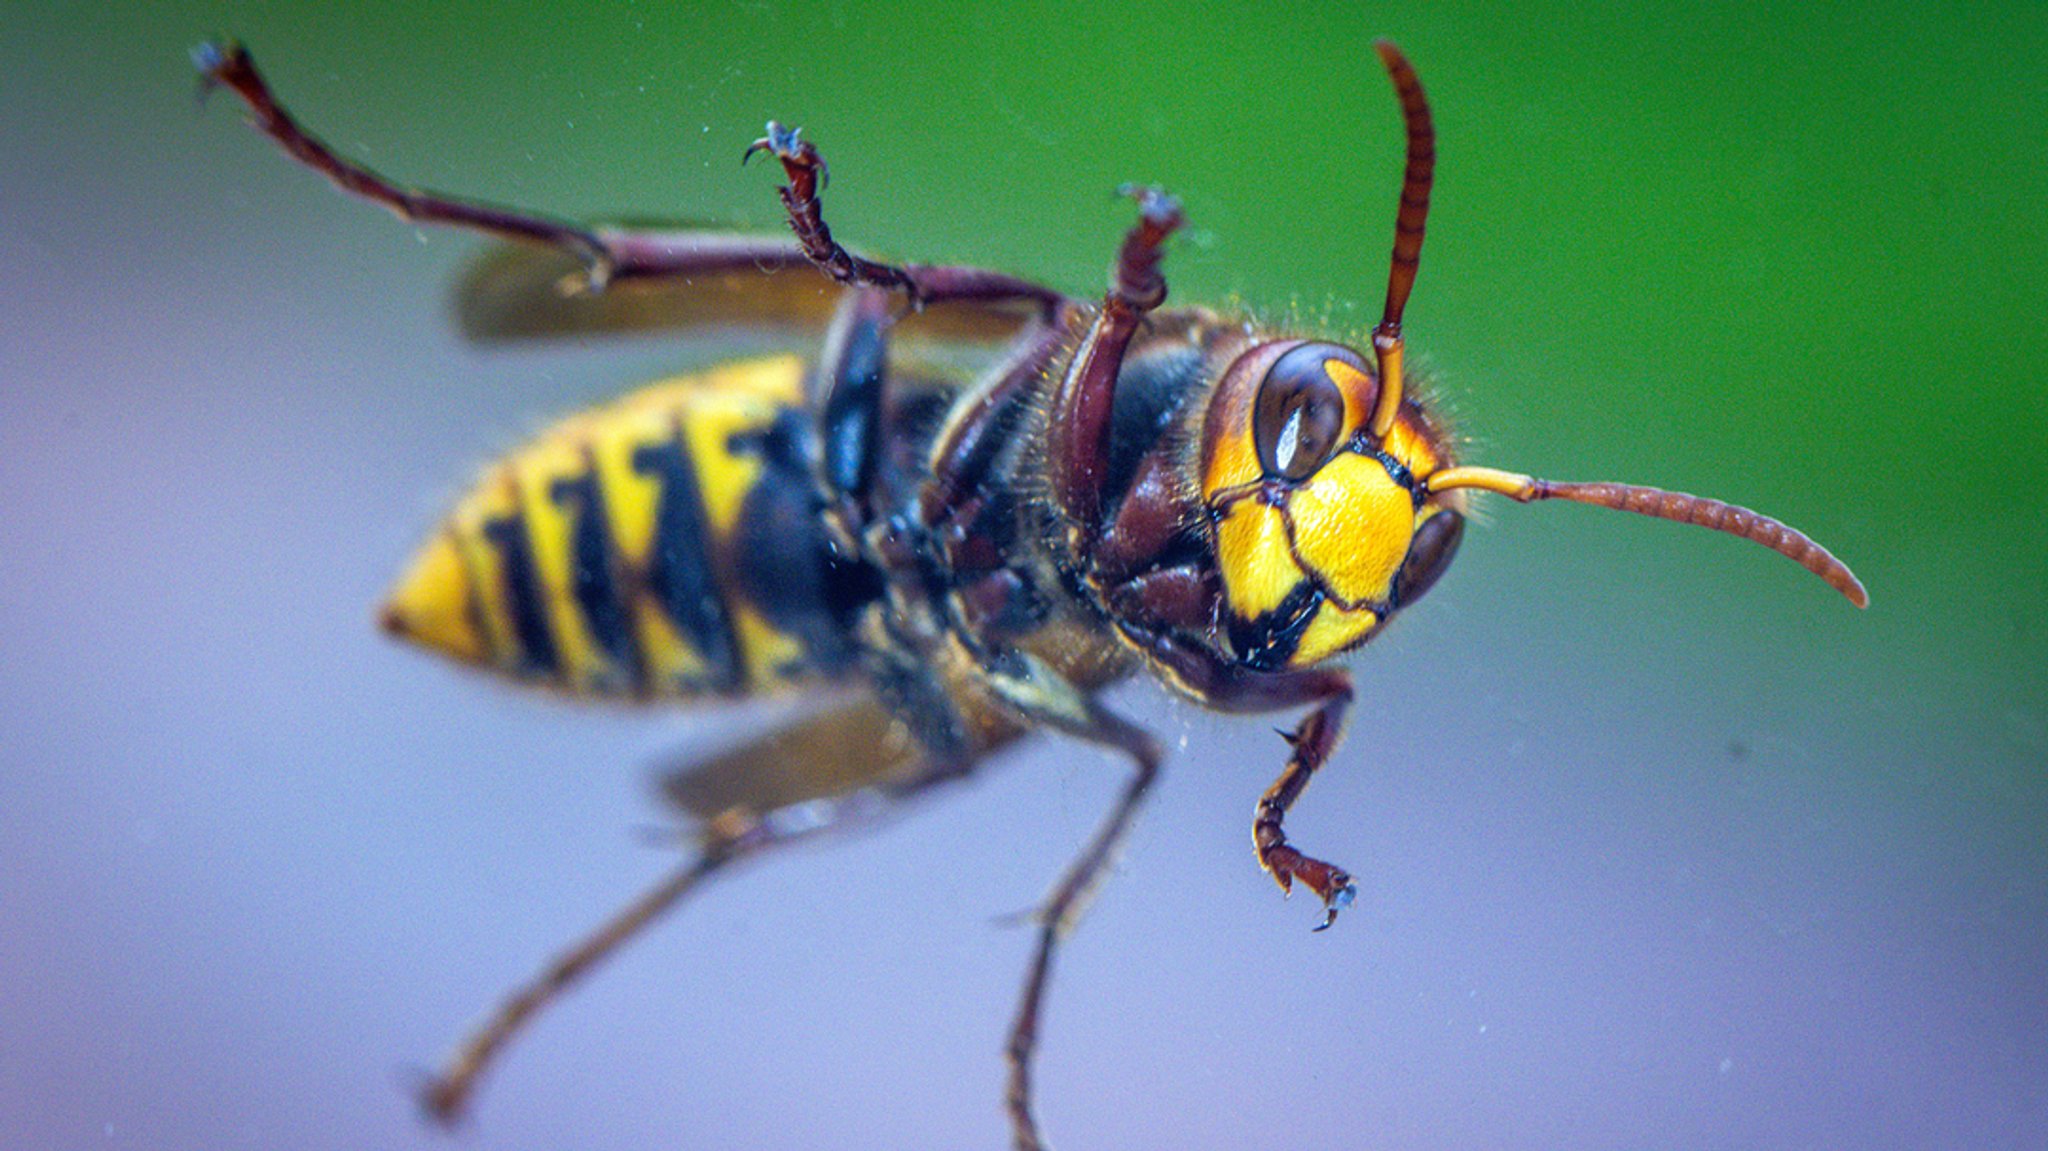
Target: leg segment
{"x":840,"y":768}
{"x":1042,"y":695}
{"x":923,"y":284}
{"x":851,"y":396}
{"x":807,"y":174}
{"x":445,"y":1096}
{"x":606,"y":254}
{"x":1313,"y":741}
{"x":848,"y":395}
{"x":1055,"y":919}
{"x":977,"y":428}
{"x":1228,"y":687}
{"x":1077,"y":435}
{"x":230,"y":66}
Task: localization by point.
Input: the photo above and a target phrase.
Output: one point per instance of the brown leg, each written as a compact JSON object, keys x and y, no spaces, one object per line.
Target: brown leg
{"x":606,"y":254}
{"x":229,"y":66}
{"x":1044,"y":697}
{"x":446,"y":1096}
{"x":848,"y":393}
{"x":610,"y":253}
{"x":845,"y":766}
{"x":1313,"y":741}
{"x":923,"y":284}
{"x":1056,"y":918}
{"x":1228,"y":687}
{"x":1077,"y":435}
{"x":976,"y":430}
{"x":807,"y":174}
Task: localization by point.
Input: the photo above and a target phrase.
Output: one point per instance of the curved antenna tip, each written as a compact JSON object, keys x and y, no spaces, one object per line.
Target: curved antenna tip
{"x":1854,"y":591}
{"x":1679,"y":507}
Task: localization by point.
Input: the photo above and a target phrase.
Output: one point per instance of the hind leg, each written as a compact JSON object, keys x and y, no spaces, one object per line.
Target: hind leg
{"x":840,"y":768}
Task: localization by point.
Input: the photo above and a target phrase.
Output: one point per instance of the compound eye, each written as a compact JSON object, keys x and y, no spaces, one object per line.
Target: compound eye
{"x":1429,"y":554}
{"x":1299,"y":414}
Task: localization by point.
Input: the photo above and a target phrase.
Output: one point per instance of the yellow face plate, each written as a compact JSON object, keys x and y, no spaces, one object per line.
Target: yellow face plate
{"x":1344,"y":531}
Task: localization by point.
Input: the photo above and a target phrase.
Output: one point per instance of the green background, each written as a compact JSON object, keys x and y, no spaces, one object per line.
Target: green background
{"x":1663,"y":844}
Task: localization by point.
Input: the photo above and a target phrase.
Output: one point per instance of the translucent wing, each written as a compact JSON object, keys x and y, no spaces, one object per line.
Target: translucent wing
{"x":834,"y":752}
{"x":749,"y":286}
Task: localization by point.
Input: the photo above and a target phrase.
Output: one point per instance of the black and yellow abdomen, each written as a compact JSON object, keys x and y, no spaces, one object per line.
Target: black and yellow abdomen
{"x":665,"y":544}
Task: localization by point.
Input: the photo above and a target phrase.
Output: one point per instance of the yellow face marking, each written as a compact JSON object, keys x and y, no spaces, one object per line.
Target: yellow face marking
{"x":1344,"y":530}
{"x":1335,"y":629}
{"x":1352,"y":525}
{"x":1235,"y":462}
{"x":1251,"y":550}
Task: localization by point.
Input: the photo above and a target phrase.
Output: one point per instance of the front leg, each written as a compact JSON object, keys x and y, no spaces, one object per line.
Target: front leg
{"x":1231,"y":687}
{"x":1313,"y":741}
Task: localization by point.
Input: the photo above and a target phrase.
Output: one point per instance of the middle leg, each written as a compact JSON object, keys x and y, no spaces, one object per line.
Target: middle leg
{"x":850,"y":393}
{"x":922,"y":283}
{"x":1043,"y":696}
{"x":1057,"y":916}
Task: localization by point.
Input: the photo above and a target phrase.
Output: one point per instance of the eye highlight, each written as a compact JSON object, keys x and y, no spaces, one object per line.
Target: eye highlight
{"x":1299,"y":415}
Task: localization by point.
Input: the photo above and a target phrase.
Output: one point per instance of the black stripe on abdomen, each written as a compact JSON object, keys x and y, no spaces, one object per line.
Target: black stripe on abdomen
{"x":592,"y":577}
{"x":537,"y":654}
{"x":679,"y":559}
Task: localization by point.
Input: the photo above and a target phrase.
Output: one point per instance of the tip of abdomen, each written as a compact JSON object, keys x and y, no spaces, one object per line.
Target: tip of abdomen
{"x":433,"y":604}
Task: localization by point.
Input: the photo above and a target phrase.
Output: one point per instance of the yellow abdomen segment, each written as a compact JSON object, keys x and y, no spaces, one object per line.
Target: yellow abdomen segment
{"x":613,"y":554}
